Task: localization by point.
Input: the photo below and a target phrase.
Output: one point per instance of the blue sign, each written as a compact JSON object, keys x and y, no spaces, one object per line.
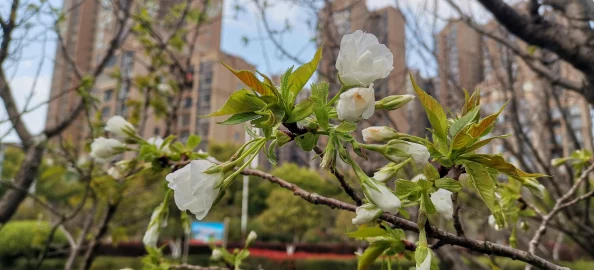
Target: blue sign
{"x":203,"y":231}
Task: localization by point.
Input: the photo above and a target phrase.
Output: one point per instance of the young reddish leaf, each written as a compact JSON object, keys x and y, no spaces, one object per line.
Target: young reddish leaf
{"x":497,"y":162}
{"x":251,"y":80}
{"x":479,"y":128}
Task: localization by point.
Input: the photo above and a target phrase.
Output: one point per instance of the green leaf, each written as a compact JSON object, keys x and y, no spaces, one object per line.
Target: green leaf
{"x":252,"y":81}
{"x":404,"y":188}
{"x":462,"y":139}
{"x":177,"y":147}
{"x":375,"y":249}
{"x":286,"y":89}
{"x":51,"y":172}
{"x":364,"y":232}
{"x":319,"y":93}
{"x":302,"y":110}
{"x":250,"y":131}
{"x":240,"y":102}
{"x":243,"y":254}
{"x":420,"y":254}
{"x":193,"y":141}
{"x":479,"y":129}
{"x":426,"y":203}
{"x":346,"y":127}
{"x":484,"y":142}
{"x":299,"y":78}
{"x":498,"y":163}
{"x":167,"y":141}
{"x":484,"y":183}
{"x":282,"y":138}
{"x":448,"y":184}
{"x":435,"y":112}
{"x":430,"y":172}
{"x":471,"y":102}
{"x":270,"y":118}
{"x":269,"y":84}
{"x":270,"y":154}
{"x":240,"y":118}
{"x":464,"y":120}
{"x":424,"y":184}
{"x":307,"y":141}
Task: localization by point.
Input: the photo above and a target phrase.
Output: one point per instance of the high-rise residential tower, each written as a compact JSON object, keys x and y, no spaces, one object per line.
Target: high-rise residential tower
{"x":90,"y":28}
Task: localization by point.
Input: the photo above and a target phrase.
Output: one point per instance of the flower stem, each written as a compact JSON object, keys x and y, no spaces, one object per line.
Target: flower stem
{"x":257,"y":147}
{"x":342,"y":90}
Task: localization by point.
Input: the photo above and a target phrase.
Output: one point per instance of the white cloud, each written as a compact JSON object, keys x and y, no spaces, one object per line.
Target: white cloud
{"x":21,"y":88}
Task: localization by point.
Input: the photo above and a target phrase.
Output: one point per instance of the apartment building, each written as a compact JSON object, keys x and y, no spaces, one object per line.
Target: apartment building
{"x":342,"y":17}
{"x":550,"y":117}
{"x":77,"y":30}
{"x":209,"y":82}
{"x":459,"y":58}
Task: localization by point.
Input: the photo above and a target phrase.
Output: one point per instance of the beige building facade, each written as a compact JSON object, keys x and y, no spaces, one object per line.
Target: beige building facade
{"x":459,"y":58}
{"x":209,"y":82}
{"x":548,"y":123}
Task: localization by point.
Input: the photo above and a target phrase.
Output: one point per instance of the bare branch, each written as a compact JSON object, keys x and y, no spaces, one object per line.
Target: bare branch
{"x":559,"y":205}
{"x":445,"y":237}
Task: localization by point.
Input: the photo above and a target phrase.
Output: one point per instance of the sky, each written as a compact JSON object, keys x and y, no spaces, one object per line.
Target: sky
{"x":36,"y":60}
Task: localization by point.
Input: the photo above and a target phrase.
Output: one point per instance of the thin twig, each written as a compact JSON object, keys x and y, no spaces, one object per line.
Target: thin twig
{"x":445,"y":237}
{"x":296,"y":130}
{"x":559,"y":205}
{"x":456,"y":205}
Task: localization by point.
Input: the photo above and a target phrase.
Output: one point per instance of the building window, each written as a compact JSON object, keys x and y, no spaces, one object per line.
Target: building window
{"x":236,"y":136}
{"x":204,"y":87}
{"x":157,"y":131}
{"x":188,"y":102}
{"x":105,"y":111}
{"x":127,"y":63}
{"x":202,"y":127}
{"x":108,"y":95}
{"x":185,"y":120}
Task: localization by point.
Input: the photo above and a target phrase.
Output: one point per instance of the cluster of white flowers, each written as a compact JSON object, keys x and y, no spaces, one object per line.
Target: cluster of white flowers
{"x":104,"y":149}
{"x":361,"y":61}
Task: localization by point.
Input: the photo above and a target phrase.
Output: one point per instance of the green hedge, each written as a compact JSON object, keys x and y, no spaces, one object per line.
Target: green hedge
{"x":26,"y":238}
{"x":109,"y":263}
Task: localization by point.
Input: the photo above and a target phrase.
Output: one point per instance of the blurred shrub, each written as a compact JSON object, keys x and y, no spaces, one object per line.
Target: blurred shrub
{"x":26,"y":238}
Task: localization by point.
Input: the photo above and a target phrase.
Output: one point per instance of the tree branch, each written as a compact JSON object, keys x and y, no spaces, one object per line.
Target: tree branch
{"x":444,"y":237}
{"x":559,"y":205}
{"x":456,"y":205}
{"x":569,"y":44}
{"x":554,"y":77}
{"x":295,"y":130}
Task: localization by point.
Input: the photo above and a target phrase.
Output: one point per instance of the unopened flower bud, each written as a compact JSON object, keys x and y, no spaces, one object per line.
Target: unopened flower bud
{"x":393,"y":102}
{"x":366,"y":213}
{"x":216,"y":254}
{"x":251,"y":238}
{"x":378,"y":134}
